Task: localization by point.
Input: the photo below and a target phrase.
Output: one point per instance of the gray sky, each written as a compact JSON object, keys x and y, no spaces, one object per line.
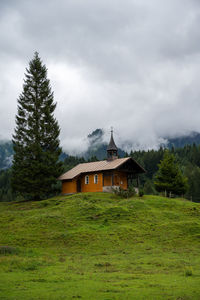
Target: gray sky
{"x":134,"y":65}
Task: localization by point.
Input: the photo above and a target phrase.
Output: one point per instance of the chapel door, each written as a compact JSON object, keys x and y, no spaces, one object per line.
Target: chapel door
{"x":78,"y":185}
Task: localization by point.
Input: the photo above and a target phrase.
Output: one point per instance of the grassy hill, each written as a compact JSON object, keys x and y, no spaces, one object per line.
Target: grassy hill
{"x":98,"y":246}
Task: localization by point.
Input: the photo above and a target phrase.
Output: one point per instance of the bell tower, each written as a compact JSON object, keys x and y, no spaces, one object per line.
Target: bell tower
{"x":112,"y":151}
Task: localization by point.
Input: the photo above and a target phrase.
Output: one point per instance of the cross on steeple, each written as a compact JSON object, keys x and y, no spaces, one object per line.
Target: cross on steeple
{"x":112,"y":151}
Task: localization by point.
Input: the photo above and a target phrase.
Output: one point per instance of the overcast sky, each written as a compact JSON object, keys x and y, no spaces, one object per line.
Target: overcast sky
{"x":133,"y":65}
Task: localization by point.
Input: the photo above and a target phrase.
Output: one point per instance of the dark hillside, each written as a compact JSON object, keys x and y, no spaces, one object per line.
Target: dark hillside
{"x":6,"y":154}
{"x":181,"y":141}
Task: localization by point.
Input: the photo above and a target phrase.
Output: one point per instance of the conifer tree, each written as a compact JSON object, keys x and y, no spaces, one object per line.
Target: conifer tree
{"x":36,"y":162}
{"x":169,"y":178}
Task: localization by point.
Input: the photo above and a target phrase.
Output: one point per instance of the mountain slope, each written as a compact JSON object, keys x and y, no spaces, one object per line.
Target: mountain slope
{"x":6,"y":154}
{"x":98,"y":246}
{"x":96,"y":147}
{"x":181,"y":141}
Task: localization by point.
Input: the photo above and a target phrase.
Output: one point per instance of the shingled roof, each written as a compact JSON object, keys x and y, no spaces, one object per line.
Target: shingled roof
{"x":96,"y":166}
{"x":111,"y":145}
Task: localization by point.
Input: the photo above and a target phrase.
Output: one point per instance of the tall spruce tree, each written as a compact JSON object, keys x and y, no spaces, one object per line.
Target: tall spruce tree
{"x":36,"y":162}
{"x":169,"y":178}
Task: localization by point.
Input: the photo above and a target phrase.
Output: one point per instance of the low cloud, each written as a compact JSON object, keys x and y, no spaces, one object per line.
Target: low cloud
{"x":131,"y":65}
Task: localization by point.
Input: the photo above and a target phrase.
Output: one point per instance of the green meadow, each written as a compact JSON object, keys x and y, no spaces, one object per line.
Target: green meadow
{"x":98,"y":246}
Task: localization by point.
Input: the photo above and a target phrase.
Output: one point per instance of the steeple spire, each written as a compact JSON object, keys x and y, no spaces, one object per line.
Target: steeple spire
{"x":112,"y":151}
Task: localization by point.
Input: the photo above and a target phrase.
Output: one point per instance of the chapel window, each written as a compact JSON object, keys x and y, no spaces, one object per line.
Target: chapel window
{"x":95,"y":178}
{"x":86,"y":179}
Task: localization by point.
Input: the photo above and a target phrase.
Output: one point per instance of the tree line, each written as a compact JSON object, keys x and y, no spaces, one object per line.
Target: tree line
{"x":187,"y":158}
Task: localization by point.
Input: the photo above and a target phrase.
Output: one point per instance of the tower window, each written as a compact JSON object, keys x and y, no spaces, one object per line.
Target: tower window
{"x":96,"y":178}
{"x":86,"y":179}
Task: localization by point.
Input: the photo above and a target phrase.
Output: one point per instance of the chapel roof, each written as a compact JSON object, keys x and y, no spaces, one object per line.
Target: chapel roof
{"x":98,"y":166}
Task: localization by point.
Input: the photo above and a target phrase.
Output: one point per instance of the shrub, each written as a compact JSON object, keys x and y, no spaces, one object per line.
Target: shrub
{"x":105,"y":222}
{"x":141,"y":192}
{"x":130,"y":192}
{"x":8,"y":250}
{"x":85,"y":197}
{"x":188,"y":272}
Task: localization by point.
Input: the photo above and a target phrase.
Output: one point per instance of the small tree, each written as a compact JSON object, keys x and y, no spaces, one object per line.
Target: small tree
{"x":169,"y":178}
{"x":36,"y":162}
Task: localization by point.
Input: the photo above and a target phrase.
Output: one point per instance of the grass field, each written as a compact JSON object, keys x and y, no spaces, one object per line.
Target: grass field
{"x":100,"y":247}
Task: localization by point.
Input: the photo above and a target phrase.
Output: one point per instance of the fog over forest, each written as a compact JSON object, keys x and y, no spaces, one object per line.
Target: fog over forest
{"x":133,"y":65}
